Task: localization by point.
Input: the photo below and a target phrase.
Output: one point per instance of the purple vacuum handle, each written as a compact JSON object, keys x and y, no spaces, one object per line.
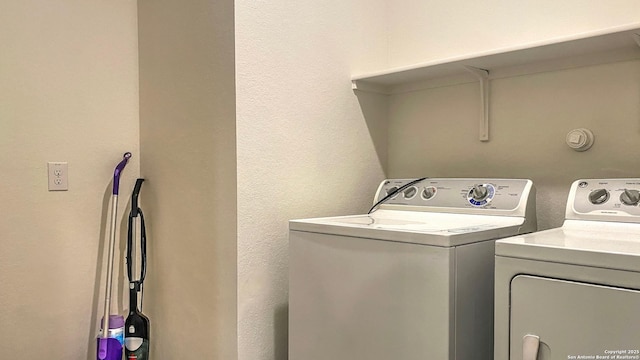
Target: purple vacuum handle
{"x":116,"y":173}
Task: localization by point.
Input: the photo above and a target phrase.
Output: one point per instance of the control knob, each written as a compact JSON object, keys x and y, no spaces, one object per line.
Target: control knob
{"x":428,"y":192}
{"x":630,"y":197}
{"x":599,"y":196}
{"x":392,"y":190}
{"x":479,"y":192}
{"x":410,"y":192}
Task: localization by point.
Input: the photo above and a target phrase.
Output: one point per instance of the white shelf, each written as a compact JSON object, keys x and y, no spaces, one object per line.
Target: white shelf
{"x":604,"y":46}
{"x":599,"y":47}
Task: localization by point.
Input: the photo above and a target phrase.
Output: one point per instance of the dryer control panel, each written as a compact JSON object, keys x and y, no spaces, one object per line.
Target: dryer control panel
{"x":488,"y":196}
{"x":604,"y":200}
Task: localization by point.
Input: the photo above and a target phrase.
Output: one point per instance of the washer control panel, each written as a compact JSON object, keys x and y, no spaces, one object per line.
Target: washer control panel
{"x":496,"y":194}
{"x":611,"y":198}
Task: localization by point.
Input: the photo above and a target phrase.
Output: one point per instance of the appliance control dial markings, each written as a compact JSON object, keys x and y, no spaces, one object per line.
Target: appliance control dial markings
{"x":481,"y":194}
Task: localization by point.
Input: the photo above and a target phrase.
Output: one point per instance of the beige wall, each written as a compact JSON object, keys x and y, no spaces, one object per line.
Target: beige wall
{"x":68,"y":92}
{"x":304,"y":148}
{"x":187,"y":138}
{"x":420,"y":31}
{"x":434,"y":132}
{"x":306,"y":145}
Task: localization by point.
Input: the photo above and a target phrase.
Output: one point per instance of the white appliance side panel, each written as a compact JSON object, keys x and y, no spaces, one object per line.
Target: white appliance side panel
{"x":574,"y":320}
{"x":356,"y":298}
{"x":474,"y":301}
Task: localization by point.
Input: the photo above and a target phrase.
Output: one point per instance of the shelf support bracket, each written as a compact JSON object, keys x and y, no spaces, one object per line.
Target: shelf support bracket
{"x":367,"y":87}
{"x":483,"y":76}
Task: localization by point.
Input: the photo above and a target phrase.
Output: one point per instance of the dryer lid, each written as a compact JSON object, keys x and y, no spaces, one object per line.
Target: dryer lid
{"x":611,"y":245}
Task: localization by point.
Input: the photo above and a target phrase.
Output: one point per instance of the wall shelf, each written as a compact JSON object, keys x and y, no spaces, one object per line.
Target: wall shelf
{"x":599,"y":47}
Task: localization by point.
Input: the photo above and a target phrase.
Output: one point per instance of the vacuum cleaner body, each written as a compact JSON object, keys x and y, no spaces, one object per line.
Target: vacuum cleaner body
{"x":136,"y":338}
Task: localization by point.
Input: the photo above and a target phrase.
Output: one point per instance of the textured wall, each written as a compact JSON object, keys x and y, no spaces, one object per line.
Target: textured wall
{"x":304,"y":148}
{"x":187,"y":138}
{"x":420,"y":30}
{"x":530,"y":117}
{"x":307,"y":146}
{"x":68,"y":92}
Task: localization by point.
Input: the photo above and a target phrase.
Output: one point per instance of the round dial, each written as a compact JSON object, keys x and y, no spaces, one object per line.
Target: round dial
{"x":392,"y":190}
{"x":599,"y":196}
{"x":410,"y":192}
{"x":481,"y":194}
{"x":428,"y":192}
{"x":630,"y":197}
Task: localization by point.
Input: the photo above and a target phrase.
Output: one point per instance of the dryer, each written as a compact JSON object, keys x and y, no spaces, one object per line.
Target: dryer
{"x":574,"y":292}
{"x":412,"y":280}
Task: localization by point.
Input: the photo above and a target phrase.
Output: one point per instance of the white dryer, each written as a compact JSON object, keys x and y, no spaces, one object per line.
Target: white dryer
{"x":412,"y":280}
{"x":574,"y":292}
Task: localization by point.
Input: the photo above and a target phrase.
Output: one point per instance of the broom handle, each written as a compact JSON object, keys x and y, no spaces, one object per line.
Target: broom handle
{"x":112,"y":242}
{"x":112,"y":245}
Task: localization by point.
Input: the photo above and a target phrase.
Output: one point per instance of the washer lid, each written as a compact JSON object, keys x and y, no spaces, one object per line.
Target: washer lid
{"x":439,"y":229}
{"x":603,"y":244}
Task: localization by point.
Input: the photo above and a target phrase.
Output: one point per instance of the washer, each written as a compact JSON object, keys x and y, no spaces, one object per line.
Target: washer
{"x":574,"y":292}
{"x":412,"y":280}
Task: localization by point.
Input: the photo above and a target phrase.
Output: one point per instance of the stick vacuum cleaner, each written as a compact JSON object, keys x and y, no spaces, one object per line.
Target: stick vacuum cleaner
{"x":110,"y":347}
{"x":136,"y":338}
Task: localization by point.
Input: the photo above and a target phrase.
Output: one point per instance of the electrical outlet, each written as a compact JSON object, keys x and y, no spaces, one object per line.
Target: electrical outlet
{"x":58,"y":176}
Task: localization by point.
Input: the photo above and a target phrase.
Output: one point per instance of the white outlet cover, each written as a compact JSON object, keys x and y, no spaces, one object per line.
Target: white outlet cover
{"x":58,"y":176}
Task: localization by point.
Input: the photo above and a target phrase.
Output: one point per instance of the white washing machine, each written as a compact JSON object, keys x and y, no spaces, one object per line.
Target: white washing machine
{"x":412,"y":280}
{"x":574,"y":292}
